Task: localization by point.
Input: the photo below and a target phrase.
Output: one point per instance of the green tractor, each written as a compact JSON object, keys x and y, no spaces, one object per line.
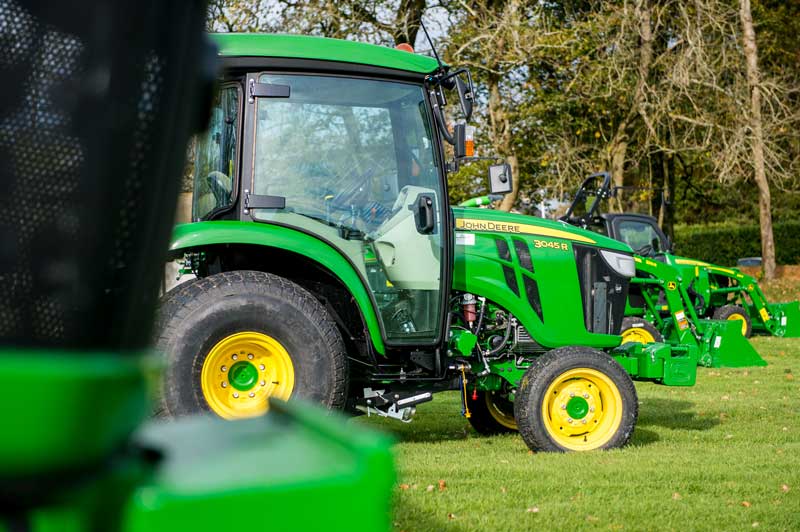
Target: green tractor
{"x":711,"y":292}
{"x":330,"y":266}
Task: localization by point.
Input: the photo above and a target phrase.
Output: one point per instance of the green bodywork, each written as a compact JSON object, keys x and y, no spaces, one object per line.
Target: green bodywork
{"x":42,"y":383}
{"x":716,"y":286}
{"x":667,"y":305}
{"x":199,"y":235}
{"x":479,"y":270}
{"x":320,"y":49}
{"x":191,"y":474}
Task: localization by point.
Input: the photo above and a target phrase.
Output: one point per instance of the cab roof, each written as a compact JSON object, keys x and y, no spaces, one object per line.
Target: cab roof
{"x":320,"y":49}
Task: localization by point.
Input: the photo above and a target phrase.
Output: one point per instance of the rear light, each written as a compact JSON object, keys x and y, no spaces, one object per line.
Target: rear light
{"x":469,"y":137}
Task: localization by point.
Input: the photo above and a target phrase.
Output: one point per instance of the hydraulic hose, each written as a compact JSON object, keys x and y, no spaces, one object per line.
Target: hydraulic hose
{"x":505,"y":339}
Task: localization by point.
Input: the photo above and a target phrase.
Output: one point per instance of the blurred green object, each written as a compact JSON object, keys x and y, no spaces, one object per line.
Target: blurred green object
{"x":294,"y":469}
{"x":99,"y":100}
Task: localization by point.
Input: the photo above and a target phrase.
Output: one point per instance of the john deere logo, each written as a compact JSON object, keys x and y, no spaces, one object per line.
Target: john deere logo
{"x":671,"y":285}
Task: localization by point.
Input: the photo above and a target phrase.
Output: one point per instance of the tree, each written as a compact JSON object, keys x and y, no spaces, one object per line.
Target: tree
{"x":378,"y":21}
{"x":757,"y":139}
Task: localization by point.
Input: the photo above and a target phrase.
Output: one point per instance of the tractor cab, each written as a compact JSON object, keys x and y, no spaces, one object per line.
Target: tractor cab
{"x":351,"y":161}
{"x":640,"y":231}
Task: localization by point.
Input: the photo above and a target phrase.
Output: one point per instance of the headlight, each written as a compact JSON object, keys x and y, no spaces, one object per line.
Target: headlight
{"x":619,"y":262}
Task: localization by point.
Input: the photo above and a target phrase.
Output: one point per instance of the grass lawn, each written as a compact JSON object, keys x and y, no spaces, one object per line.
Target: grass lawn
{"x":722,"y":455}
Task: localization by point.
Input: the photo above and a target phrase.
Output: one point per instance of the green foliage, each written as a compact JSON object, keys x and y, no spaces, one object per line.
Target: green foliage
{"x":724,"y":243}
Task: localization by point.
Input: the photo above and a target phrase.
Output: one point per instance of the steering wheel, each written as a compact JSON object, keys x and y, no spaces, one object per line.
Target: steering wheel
{"x":220,"y":185}
{"x":350,"y":195}
{"x":645,"y":251}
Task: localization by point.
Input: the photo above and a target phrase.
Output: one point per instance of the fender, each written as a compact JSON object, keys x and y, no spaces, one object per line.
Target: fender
{"x":201,"y":234}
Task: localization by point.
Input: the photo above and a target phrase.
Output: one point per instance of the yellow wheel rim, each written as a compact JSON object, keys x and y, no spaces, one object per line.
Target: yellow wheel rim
{"x":734,"y":317}
{"x":582,"y":409}
{"x":637,"y":334}
{"x":242,"y":371}
{"x":499,"y":413}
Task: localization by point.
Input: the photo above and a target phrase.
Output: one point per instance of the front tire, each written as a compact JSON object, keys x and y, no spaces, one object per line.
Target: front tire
{"x":639,"y":330}
{"x":735,"y":313}
{"x":575,"y":399}
{"x":235,"y":339}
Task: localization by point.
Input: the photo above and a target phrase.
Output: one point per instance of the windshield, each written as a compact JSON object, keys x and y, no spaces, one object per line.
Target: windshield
{"x":353,"y":158}
{"x":640,"y":236}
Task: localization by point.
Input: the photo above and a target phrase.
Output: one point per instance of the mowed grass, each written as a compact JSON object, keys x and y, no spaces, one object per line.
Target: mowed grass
{"x":722,"y":455}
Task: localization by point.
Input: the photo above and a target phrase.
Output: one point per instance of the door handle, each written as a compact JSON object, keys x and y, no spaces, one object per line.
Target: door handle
{"x":425,"y":214}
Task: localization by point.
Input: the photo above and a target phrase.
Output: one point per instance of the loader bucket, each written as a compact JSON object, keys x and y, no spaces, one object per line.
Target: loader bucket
{"x":788,"y":318}
{"x":723,"y":346}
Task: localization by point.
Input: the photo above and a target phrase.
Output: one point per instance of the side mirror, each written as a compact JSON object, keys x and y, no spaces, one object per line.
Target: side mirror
{"x":466,"y":94}
{"x":667,"y":245}
{"x":500,"y":179}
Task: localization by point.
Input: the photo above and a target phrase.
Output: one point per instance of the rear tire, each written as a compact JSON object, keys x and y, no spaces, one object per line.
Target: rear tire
{"x":735,"y":313}
{"x":575,"y":399}
{"x":491,"y":414}
{"x":639,"y":330}
{"x":234,"y":339}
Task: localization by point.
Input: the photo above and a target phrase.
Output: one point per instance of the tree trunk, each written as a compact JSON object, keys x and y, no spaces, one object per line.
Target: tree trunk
{"x":764,"y":199}
{"x":407,"y":20}
{"x":618,"y":149}
{"x":509,"y":199}
{"x":500,"y":137}
{"x":617,"y":152}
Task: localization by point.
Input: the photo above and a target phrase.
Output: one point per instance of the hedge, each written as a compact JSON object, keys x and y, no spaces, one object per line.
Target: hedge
{"x":723,"y":244}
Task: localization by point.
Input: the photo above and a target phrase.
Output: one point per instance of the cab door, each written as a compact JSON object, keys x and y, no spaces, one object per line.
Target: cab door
{"x":354,"y":162}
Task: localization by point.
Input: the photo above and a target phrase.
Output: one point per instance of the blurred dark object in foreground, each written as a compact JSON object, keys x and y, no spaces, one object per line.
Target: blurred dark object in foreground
{"x":97,"y":102}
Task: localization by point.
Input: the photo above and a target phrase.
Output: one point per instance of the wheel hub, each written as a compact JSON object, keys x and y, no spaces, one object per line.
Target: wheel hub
{"x":637,"y":334}
{"x":582,"y":409}
{"x":577,"y":407}
{"x":243,"y":376}
{"x":243,"y":371}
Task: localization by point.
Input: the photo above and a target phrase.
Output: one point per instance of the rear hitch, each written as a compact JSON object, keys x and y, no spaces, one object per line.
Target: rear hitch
{"x":394,"y":406}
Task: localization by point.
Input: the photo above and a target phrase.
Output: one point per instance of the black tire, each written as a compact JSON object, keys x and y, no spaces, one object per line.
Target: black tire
{"x":610,"y":416}
{"x":735,"y":312}
{"x":639,"y":329}
{"x":195,"y":316}
{"x":491,"y":413}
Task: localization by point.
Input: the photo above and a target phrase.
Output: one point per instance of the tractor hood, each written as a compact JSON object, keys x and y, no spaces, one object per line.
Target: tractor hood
{"x":486,"y":220}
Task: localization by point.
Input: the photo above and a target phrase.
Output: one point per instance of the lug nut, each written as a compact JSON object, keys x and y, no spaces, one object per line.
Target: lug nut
{"x":262,"y":367}
{"x":235,"y":356}
{"x":250,"y":356}
{"x":235,"y":395}
{"x":591,"y":409}
{"x":569,"y":420}
{"x":224,"y":384}
{"x":572,"y":394}
{"x":253,"y":395}
{"x":263,"y":383}
{"x":584,"y":422}
{"x":585,"y":395}
{"x":563,"y":407}
{"x":224,"y":368}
